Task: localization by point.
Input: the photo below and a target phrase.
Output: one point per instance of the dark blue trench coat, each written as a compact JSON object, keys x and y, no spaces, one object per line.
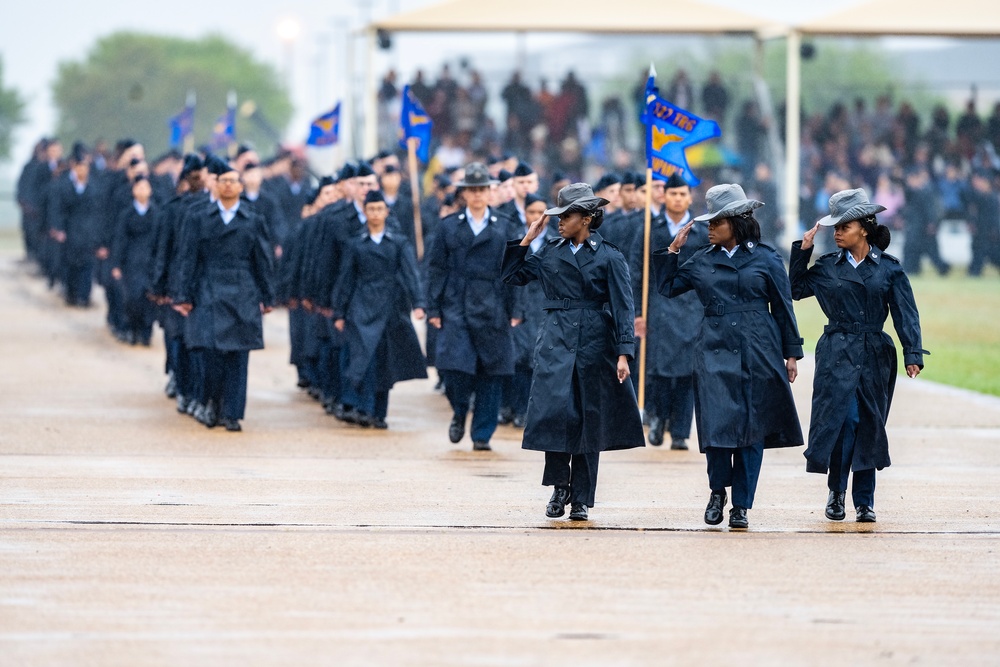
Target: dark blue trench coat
{"x":466,"y":292}
{"x":226,"y":274}
{"x":377,"y":288}
{"x":577,"y":405}
{"x":854,"y":356}
{"x":742,"y":394}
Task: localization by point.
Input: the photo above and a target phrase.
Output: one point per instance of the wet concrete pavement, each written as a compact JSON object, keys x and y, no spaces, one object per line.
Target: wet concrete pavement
{"x":130,"y":535}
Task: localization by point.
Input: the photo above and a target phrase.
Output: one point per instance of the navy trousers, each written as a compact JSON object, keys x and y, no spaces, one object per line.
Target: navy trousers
{"x":459,"y":388}
{"x":673,"y":400}
{"x":863,"y":489}
{"x":226,"y":381}
{"x":78,"y":280}
{"x":738,"y":468}
{"x":578,"y":472}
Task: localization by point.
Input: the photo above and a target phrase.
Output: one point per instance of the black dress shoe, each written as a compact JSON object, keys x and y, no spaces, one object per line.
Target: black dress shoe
{"x":655,"y":431}
{"x":866,"y":514}
{"x":738,"y":518}
{"x":518,"y":421}
{"x":349,"y":416}
{"x":578,"y":512}
{"x":302,"y":383}
{"x":182,"y":404}
{"x":209,"y":415}
{"x":171,"y":388}
{"x":557,"y":503}
{"x":505,"y":417}
{"x":679,"y":444}
{"x":231,"y":425}
{"x":481,"y":446}
{"x":456,"y":431}
{"x":380,"y":424}
{"x":835,"y":506}
{"x":365,"y":421}
{"x":716,"y":503}
{"x":192,"y":408}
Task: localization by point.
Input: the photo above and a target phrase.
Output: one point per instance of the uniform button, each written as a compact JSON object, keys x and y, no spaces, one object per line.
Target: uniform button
{"x":557,"y":271}
{"x":736,"y":351}
{"x":734,"y":297}
{"x":838,"y":363}
{"x":862,"y":312}
{"x":716,"y":351}
{"x":573,"y":349}
{"x":715,"y":324}
{"x":838,"y":284}
{"x":842,"y":336}
{"x":550,"y":347}
{"x":734,"y":324}
{"x":713,"y":270}
{"x":858,"y":367}
{"x":576,"y":323}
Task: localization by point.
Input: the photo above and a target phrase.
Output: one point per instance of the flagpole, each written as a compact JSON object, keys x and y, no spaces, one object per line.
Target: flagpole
{"x":645,"y":288}
{"x":418,"y":227}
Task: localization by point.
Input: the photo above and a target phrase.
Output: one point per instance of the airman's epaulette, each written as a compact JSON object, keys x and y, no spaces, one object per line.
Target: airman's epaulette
{"x":761,"y":244}
{"x":556,"y":239}
{"x":830,"y":254}
{"x":609,"y":243}
{"x":886,"y":255}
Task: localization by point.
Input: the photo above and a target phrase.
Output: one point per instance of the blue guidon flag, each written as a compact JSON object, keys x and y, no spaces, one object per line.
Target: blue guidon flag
{"x":670,"y":130}
{"x":415,"y":123}
{"x":181,"y":126}
{"x":325,"y":130}
{"x":224,"y":129}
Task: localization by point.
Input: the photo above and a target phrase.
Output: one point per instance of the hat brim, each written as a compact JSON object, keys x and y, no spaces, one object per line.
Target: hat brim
{"x":582,"y":204}
{"x":854,"y":213}
{"x":466,"y":184}
{"x":736,"y":208}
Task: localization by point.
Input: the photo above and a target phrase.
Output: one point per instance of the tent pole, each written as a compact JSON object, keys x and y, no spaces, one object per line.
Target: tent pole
{"x":793,"y":111}
{"x":371,"y":95}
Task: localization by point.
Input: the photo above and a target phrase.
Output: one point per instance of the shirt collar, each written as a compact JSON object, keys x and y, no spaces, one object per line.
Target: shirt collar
{"x":481,"y":222}
{"x":361,"y":213}
{"x":140,"y":208}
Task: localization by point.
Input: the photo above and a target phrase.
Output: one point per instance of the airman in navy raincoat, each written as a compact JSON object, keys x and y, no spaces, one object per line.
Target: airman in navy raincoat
{"x":746,"y":354}
{"x":580,"y":404}
{"x":855,"y":358}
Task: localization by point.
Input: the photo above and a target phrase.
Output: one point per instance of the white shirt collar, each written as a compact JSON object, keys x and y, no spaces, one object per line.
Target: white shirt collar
{"x":140,"y":208}
{"x":732,"y":252}
{"x":252,"y":196}
{"x":228,"y":214}
{"x":377,"y":238}
{"x":675,"y":227}
{"x":361,"y":213}
{"x":477,"y":226}
{"x":77,"y":185}
{"x":537,"y":243}
{"x":850,"y":258}
{"x":575,"y":248}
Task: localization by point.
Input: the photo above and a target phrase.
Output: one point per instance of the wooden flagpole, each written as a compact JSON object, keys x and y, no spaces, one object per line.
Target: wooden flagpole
{"x":418,"y":227}
{"x":645,"y":288}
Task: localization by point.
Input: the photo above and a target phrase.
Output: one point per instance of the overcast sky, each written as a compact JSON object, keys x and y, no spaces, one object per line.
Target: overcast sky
{"x":36,"y":36}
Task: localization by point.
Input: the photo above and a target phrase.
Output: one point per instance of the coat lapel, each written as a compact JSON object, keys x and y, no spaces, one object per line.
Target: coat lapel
{"x":847,"y":272}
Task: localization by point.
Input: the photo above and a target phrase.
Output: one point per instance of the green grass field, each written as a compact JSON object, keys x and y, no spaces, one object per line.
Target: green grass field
{"x":960,"y":318}
{"x":960,"y":322}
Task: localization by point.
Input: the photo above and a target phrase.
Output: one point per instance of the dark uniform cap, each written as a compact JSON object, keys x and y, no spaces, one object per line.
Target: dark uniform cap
{"x":530,"y":199}
{"x":347,"y":172}
{"x":192,"y":162}
{"x":374,"y":196}
{"x":503,"y":176}
{"x":675,"y":181}
{"x":476,"y":176}
{"x":606,"y":181}
{"x":217,"y":165}
{"x":576,"y":197}
{"x":325,"y":181}
{"x":523,"y":169}
{"x":364,"y":169}
{"x":78,"y":153}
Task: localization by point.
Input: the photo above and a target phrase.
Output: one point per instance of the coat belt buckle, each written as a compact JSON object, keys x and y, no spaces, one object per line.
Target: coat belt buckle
{"x":565,"y":305}
{"x":720,"y":309}
{"x":856,"y":328}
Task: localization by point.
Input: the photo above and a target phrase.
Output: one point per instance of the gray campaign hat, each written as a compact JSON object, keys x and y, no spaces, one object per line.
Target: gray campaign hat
{"x":725,"y":201}
{"x":848,"y":205}
{"x":579,"y":196}
{"x":477,"y":175}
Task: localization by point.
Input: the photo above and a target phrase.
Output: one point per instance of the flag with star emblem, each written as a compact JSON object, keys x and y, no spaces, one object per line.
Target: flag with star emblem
{"x":325,"y":130}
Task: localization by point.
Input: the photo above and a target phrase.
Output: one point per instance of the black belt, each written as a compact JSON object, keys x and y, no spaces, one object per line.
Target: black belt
{"x":721,"y":309}
{"x":572,"y":304}
{"x":852,"y":328}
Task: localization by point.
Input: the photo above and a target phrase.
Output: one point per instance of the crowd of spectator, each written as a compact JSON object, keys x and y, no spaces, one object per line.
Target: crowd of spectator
{"x":924,"y":170}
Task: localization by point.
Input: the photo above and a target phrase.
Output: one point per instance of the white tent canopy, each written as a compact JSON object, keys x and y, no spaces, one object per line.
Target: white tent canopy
{"x":586,"y":16}
{"x":955,"y":18}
